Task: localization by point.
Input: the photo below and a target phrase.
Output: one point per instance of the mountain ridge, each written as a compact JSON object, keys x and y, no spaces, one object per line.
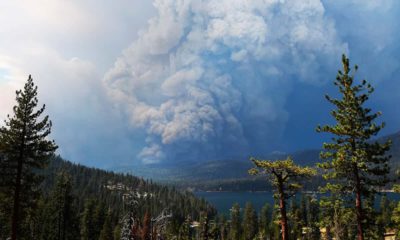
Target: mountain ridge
{"x":234,"y":170}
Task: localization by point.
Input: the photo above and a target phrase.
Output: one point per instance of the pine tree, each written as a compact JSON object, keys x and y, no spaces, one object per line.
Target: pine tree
{"x":184,"y":231}
{"x":214,"y":231}
{"x":384,"y":220}
{"x":396,"y":219}
{"x":275,"y":222}
{"x":295,"y":220}
{"x":223,"y":227}
{"x":313,"y":219}
{"x":5,"y":212}
{"x":204,"y":226}
{"x":99,"y":218}
{"x":38,"y":221}
{"x":235,"y":227}
{"x":285,"y":176}
{"x":336,"y":217}
{"x":265,"y":222}
{"x":117,"y":232}
{"x":63,"y":196}
{"x":250,"y":224}
{"x":396,"y":188}
{"x":304,"y":214}
{"x":353,"y":162}
{"x":107,"y":231}
{"x":25,"y":149}
{"x":59,"y":217}
{"x":88,"y":221}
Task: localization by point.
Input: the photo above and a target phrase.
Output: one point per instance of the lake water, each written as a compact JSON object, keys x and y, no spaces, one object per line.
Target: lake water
{"x":223,"y":201}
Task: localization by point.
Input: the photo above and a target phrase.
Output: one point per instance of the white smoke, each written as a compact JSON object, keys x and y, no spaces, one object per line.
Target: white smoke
{"x":209,"y":78}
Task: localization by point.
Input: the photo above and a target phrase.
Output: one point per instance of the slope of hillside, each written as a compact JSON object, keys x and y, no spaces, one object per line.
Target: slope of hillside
{"x":109,"y":187}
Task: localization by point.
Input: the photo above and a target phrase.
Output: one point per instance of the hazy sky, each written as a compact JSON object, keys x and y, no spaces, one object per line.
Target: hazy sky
{"x":142,"y":81}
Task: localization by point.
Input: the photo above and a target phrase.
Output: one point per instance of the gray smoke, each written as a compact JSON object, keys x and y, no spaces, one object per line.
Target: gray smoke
{"x":209,"y":79}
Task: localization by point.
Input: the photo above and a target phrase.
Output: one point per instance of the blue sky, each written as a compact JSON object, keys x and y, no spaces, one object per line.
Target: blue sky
{"x":159,"y":81}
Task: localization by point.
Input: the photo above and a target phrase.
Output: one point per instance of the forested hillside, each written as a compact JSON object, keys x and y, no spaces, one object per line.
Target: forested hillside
{"x":99,"y":202}
{"x":110,"y":187}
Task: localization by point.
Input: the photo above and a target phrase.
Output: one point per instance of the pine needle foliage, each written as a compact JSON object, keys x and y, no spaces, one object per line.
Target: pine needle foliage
{"x":284,"y":172}
{"x":352,"y":162}
{"x":286,"y":177}
{"x":25,"y":149}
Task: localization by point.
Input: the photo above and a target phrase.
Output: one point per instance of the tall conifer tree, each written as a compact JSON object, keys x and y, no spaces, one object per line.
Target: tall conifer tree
{"x":354,"y":163}
{"x":265,"y":222}
{"x":250,"y":223}
{"x":107,"y":231}
{"x":204,"y":226}
{"x":59,"y":216}
{"x":25,"y":148}
{"x":285,"y":177}
{"x":396,"y":219}
{"x":236,"y":219}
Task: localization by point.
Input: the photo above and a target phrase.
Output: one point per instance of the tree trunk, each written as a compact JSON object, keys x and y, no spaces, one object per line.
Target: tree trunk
{"x":282,"y":208}
{"x":359,"y":210}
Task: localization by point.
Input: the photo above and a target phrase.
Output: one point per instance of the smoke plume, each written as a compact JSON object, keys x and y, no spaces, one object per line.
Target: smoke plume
{"x":209,"y":79}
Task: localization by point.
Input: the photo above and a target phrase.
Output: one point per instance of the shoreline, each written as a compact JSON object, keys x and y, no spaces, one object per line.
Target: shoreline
{"x":306,"y":192}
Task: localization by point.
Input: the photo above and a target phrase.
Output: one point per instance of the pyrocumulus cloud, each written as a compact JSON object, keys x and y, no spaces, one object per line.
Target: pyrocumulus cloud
{"x":209,"y":79}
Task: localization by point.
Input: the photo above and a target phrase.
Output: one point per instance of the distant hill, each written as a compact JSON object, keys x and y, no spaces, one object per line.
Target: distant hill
{"x":394,"y":151}
{"x":209,"y":170}
{"x":231,"y":174}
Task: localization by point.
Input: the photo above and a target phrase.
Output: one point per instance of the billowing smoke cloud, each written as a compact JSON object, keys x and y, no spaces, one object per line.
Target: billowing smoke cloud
{"x":210,"y":78}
